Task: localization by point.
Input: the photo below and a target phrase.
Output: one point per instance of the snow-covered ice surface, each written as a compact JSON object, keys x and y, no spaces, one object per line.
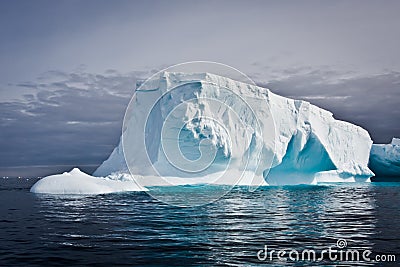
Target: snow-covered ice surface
{"x":78,"y":182}
{"x":385,"y":158}
{"x":396,"y":141}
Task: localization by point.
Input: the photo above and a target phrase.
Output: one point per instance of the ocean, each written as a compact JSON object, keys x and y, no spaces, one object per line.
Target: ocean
{"x":241,"y":229}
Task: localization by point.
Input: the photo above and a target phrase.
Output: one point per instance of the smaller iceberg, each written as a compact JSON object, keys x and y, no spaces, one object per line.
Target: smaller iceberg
{"x":384,"y":159}
{"x":78,"y":182}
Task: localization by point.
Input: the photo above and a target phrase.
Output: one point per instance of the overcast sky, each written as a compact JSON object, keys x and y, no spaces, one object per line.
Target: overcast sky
{"x":68,"y":67}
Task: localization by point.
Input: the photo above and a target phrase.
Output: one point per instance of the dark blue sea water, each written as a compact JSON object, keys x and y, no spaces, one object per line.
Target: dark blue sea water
{"x":134,"y":229}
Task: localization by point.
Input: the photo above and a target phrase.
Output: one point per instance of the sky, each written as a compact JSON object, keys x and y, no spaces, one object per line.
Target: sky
{"x":68,"y":68}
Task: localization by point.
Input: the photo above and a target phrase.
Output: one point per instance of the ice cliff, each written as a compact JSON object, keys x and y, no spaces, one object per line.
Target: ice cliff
{"x":306,"y":144}
{"x":385,"y":158}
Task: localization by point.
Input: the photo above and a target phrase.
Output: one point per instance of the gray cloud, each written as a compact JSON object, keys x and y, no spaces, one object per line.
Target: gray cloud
{"x":369,"y":101}
{"x":75,"y":119}
{"x":127,"y":35}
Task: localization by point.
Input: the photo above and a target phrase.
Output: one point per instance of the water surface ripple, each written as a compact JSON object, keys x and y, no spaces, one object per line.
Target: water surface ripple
{"x":134,"y":229}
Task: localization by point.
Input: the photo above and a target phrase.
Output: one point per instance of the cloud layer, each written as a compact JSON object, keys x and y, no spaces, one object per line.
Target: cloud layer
{"x":67,"y":119}
{"x":75,"y":119}
{"x":369,"y":101}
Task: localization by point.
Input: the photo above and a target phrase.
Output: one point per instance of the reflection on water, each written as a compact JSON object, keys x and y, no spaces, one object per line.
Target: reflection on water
{"x":387,"y":212}
{"x":133,"y":228}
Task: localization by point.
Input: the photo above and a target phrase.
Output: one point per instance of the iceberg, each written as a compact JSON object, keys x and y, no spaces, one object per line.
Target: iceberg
{"x":385,"y":159}
{"x":201,"y":128}
{"x":294,"y":142}
{"x":78,"y":182}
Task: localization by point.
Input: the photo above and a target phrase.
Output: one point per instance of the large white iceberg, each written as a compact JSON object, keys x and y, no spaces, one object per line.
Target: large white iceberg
{"x":385,"y":158}
{"x":308,"y":145}
{"x":251,"y":133}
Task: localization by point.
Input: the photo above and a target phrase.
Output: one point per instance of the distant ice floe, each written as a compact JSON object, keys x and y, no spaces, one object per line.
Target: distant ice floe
{"x":385,"y":159}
